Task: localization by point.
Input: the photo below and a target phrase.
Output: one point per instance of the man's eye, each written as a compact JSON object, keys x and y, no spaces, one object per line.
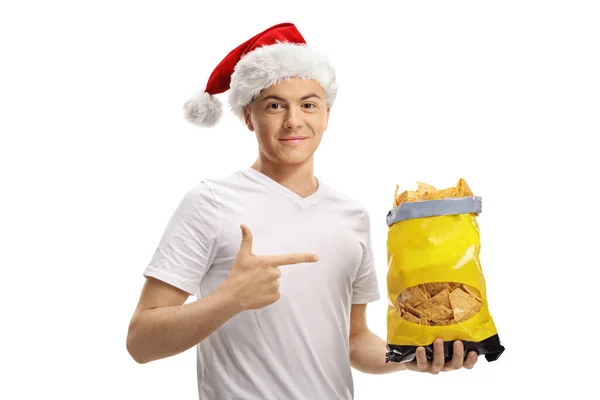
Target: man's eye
{"x":310,"y":104}
{"x":274,"y":106}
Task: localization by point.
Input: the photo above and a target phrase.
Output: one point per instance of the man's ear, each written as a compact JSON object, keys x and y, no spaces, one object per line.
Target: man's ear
{"x":247,"y":118}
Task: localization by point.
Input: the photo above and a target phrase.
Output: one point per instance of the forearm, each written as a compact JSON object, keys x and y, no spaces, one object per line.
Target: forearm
{"x":367,"y":354}
{"x":163,"y":332}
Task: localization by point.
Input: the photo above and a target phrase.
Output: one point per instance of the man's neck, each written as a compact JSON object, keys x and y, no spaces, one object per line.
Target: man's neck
{"x":298,"y":178}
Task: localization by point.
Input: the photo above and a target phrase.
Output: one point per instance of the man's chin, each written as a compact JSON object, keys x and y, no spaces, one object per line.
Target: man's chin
{"x":294,"y":160}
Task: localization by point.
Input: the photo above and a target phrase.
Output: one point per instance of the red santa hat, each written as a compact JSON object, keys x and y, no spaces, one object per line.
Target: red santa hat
{"x":273,"y":56}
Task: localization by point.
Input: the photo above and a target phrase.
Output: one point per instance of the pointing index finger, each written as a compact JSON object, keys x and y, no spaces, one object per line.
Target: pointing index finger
{"x":293,"y":258}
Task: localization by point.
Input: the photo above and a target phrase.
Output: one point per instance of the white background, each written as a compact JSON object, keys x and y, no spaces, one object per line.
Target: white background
{"x":95,"y":156}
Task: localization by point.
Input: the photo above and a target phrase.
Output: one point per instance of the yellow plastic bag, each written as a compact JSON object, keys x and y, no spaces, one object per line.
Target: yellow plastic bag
{"x":436,"y":287}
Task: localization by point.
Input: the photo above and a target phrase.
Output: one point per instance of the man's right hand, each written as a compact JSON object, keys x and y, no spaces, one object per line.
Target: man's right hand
{"x":254,"y":280}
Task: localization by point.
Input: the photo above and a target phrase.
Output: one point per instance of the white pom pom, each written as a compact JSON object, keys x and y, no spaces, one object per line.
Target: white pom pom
{"x":203,"y":110}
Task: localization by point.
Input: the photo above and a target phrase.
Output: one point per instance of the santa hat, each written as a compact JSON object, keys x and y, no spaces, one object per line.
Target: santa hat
{"x":273,"y":56}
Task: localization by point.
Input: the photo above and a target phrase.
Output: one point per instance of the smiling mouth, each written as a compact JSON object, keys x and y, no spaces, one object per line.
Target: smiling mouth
{"x":293,"y":139}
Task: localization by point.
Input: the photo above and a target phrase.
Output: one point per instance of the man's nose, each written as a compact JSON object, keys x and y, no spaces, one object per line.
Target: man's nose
{"x":293,"y":119}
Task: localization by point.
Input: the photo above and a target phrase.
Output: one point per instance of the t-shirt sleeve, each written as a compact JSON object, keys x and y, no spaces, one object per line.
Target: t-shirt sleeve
{"x":365,"y":287}
{"x":189,"y":243}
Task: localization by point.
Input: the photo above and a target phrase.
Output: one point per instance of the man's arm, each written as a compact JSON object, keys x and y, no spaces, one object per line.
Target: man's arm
{"x":163,"y":325}
{"x":367,"y":351}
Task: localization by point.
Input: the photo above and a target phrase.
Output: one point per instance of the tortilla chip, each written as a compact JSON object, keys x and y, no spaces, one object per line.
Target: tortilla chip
{"x":424,"y":321}
{"x":434,"y":288}
{"x":463,"y":189}
{"x":424,"y":188}
{"x":411,"y":318}
{"x":430,"y":196}
{"x":454,"y":285}
{"x":413,"y":296}
{"x":449,"y":193}
{"x":414,"y":311}
{"x":399,"y":304}
{"x":472,"y":291}
{"x":474,"y":311}
{"x":438,"y":313}
{"x":461,"y":303}
{"x":424,"y":290}
{"x":441,"y":299}
{"x":407,"y":196}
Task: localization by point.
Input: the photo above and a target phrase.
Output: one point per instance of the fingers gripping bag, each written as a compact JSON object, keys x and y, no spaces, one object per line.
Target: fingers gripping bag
{"x":436,"y":286}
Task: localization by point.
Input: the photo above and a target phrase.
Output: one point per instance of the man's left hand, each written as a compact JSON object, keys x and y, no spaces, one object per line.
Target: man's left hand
{"x":458,"y":361}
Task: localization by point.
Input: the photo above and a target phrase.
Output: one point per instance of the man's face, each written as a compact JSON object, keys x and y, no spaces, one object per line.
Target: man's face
{"x":289,"y":120}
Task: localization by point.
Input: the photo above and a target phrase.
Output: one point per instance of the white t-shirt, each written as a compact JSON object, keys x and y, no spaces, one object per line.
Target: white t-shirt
{"x":297,"y":347}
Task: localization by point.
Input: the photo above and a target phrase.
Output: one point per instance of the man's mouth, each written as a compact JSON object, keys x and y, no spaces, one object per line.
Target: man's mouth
{"x":293,"y":139}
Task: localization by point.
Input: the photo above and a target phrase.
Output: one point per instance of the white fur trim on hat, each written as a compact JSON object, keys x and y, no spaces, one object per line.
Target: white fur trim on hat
{"x":203,"y":110}
{"x":269,"y":65}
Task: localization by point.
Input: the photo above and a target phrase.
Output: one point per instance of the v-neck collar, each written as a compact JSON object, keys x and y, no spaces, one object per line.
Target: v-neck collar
{"x":303,"y":202}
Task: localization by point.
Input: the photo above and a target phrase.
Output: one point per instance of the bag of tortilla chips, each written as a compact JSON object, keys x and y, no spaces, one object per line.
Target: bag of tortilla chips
{"x":436,"y":286}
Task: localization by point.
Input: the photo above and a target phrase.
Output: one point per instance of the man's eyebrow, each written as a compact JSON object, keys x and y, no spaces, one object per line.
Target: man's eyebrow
{"x":308,"y":96}
{"x":273,"y":97}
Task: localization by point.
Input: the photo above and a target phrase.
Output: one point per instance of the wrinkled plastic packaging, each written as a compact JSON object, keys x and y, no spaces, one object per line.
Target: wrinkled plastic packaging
{"x":436,"y":286}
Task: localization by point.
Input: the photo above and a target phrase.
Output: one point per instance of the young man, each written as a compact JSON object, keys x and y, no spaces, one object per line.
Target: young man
{"x":281,"y":263}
